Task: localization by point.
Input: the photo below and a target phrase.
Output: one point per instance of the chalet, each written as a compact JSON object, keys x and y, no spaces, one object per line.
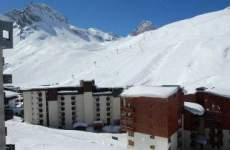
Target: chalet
{"x":152,"y":117}
{"x":72,"y":107}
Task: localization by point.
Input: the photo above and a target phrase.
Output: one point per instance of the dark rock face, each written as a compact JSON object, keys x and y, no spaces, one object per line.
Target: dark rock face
{"x":143,"y":27}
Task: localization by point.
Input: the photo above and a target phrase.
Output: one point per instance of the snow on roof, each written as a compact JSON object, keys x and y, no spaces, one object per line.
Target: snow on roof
{"x":103,"y":93}
{"x":220,"y":92}
{"x":224,"y":91}
{"x":43,"y":87}
{"x":10,"y":94}
{"x":4,"y":18}
{"x":194,"y":108}
{"x":69,"y":91}
{"x":150,"y":91}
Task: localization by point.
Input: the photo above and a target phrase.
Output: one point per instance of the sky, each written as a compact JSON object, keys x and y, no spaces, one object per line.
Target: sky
{"x":123,"y":16}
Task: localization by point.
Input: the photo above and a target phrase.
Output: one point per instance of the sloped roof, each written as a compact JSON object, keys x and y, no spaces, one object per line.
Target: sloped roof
{"x":150,"y":91}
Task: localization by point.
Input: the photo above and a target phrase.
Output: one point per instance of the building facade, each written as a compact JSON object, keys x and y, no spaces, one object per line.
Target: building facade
{"x":211,"y":130}
{"x":62,"y":107}
{"x":6,"y":42}
{"x":152,"y":117}
{"x":157,"y":118}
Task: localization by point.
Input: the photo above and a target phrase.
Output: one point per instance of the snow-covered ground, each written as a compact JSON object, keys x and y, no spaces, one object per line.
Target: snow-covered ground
{"x":193,"y":52}
{"x":32,"y":137}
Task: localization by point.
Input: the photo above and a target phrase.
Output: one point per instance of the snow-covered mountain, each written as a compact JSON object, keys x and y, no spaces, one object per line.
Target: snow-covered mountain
{"x":193,"y":52}
{"x":40,"y":17}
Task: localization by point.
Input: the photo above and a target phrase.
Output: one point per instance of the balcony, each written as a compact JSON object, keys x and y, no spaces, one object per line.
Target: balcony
{"x":127,"y":124}
{"x":10,"y":147}
{"x":213,"y":117}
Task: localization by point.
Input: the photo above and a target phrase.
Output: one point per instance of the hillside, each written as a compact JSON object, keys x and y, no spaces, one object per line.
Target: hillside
{"x":193,"y":52}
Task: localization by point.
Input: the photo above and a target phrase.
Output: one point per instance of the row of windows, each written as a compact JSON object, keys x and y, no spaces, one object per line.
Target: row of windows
{"x":72,"y":108}
{"x":98,"y":105}
{"x":72,"y":98}
{"x":98,"y":99}
{"x":131,"y":134}
{"x":131,"y":143}
{"x":107,"y":109}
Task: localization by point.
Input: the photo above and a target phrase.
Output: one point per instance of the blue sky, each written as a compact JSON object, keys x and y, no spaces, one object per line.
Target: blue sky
{"x":122,"y":16}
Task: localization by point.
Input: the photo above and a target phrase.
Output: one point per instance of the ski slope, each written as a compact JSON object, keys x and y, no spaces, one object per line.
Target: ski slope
{"x":32,"y":137}
{"x":193,"y":52}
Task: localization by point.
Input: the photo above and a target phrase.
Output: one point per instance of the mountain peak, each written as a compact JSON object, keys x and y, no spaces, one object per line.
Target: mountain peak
{"x":36,"y":12}
{"x":144,"y":26}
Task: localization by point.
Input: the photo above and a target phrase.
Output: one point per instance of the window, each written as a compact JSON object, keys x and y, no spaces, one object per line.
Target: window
{"x":62,"y":98}
{"x":40,"y":110}
{"x":98,"y":115}
{"x":98,"y":105}
{"x":98,"y":109}
{"x":107,"y":98}
{"x":72,"y":98}
{"x":41,"y":115}
{"x":41,"y":122}
{"x":73,"y":108}
{"x":107,"y":104}
{"x":40,"y":94}
{"x":179,"y":134}
{"x":107,"y":109}
{"x":63,"y":108}
{"x":108,"y":114}
{"x":169,"y":140}
{"x":131,"y":143}
{"x":40,"y":99}
{"x":63,"y":114}
{"x":152,"y":146}
{"x":73,"y":103}
{"x":179,"y":144}
{"x":73,"y":113}
{"x":108,"y":120}
{"x":97,"y":99}
{"x":152,"y":137}
{"x":6,"y":34}
{"x":130,"y":133}
{"x":62,"y":103}
{"x":40,"y":105}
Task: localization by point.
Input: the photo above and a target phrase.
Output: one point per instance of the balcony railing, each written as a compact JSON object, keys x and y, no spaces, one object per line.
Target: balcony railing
{"x":10,"y":147}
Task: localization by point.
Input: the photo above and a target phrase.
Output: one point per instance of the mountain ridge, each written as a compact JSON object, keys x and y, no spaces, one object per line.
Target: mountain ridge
{"x":39,"y":16}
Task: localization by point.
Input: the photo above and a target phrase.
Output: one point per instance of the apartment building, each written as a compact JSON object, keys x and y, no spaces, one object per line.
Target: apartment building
{"x":72,"y":107}
{"x":152,"y":117}
{"x":212,"y":129}
{"x":6,"y":42}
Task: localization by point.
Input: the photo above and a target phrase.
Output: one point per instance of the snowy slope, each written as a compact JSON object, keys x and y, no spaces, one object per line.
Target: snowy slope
{"x":31,"y":137}
{"x":193,"y":52}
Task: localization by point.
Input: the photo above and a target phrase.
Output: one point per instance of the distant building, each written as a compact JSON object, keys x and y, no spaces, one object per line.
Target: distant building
{"x":72,"y":107}
{"x":152,"y":117}
{"x":13,"y":102}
